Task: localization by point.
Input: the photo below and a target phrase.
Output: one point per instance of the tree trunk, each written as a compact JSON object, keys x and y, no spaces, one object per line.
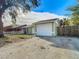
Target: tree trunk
{"x":1,"y":26}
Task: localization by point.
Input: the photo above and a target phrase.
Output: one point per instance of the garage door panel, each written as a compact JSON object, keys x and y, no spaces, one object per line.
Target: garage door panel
{"x":44,"y":29}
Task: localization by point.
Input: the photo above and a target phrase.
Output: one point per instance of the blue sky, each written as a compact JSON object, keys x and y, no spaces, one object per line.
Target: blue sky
{"x":55,"y":6}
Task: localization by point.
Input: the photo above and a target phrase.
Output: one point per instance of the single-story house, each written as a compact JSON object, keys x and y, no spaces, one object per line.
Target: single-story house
{"x":40,"y":28}
{"x":19,"y":29}
{"x":44,"y":28}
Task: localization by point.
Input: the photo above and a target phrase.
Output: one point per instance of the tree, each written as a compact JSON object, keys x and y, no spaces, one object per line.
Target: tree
{"x":75,"y":13}
{"x":63,"y":22}
{"x":24,"y":4}
{"x":66,"y":21}
{"x":13,"y":15}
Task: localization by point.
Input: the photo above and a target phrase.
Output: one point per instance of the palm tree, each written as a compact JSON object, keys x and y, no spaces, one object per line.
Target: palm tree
{"x":24,"y":4}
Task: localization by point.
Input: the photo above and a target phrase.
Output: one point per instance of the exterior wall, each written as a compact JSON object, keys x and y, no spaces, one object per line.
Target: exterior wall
{"x":54,"y":29}
{"x":33,"y":30}
{"x":29,"y":30}
{"x":15,"y":32}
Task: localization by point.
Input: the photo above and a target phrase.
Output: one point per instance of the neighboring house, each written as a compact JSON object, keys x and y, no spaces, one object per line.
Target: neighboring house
{"x":15,"y":29}
{"x":45,"y":28}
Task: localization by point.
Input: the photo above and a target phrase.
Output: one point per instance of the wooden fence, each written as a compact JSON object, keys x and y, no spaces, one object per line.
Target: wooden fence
{"x":68,"y":31}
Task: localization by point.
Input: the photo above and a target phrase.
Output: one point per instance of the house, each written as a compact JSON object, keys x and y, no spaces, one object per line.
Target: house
{"x":19,"y":29}
{"x":40,"y":28}
{"x":44,"y":28}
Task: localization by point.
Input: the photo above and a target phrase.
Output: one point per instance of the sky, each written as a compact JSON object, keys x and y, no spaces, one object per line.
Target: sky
{"x":48,"y":9}
{"x":55,"y":6}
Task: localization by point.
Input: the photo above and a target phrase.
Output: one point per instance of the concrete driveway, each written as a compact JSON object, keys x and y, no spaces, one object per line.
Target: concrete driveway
{"x":71,"y":43}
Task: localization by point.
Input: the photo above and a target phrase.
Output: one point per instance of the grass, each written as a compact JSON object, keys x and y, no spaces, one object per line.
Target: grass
{"x":13,"y":38}
{"x":20,"y":36}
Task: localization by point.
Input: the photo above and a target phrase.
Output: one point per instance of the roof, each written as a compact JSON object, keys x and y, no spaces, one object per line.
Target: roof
{"x":13,"y":27}
{"x":46,"y":21}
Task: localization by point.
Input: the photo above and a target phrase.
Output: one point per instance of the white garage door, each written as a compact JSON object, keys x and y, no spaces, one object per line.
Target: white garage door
{"x":44,"y":29}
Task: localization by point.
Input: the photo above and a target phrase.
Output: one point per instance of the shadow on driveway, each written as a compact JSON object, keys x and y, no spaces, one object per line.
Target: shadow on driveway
{"x":71,"y":43}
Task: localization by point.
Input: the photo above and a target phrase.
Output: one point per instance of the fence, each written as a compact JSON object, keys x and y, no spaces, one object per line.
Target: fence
{"x":68,"y":31}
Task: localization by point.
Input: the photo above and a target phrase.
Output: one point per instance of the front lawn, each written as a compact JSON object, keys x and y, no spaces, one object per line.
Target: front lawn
{"x":13,"y":39}
{"x":16,"y":38}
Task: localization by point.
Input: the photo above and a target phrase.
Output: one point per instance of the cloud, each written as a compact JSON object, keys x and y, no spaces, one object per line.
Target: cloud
{"x":30,"y":17}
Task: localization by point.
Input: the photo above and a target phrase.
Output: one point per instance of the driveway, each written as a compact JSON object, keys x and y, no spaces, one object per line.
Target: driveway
{"x":71,"y":43}
{"x":42,"y":48}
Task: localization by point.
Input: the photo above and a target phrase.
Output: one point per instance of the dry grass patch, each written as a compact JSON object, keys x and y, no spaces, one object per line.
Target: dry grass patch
{"x":16,"y":38}
{"x":13,"y":39}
